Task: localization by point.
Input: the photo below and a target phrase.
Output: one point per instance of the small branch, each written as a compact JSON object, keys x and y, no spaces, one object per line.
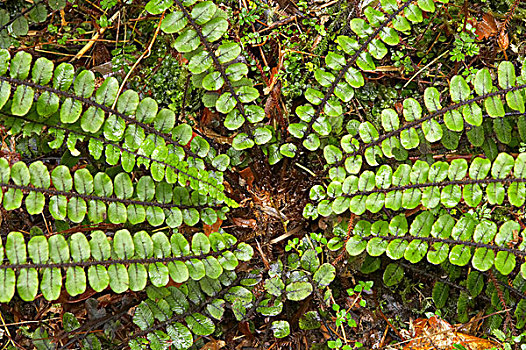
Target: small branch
{"x":94,"y":38}
{"x":144,"y":55}
{"x":425,"y":67}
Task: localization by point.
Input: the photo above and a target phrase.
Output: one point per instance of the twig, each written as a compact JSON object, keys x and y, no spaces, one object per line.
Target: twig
{"x":144,"y":55}
{"x":31,"y":321}
{"x":425,"y":67}
{"x":328,"y":4}
{"x":305,"y":168}
{"x":390,"y":324}
{"x":279,"y":23}
{"x":302,"y":52}
{"x":57,"y":53}
{"x":493,"y":280}
{"x":7,"y":331}
{"x":94,"y":39}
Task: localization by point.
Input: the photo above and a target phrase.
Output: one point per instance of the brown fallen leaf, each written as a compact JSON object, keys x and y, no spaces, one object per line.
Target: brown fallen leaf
{"x":244,"y":327}
{"x":435,"y":333}
{"x":246,"y":174}
{"x":474,"y":324}
{"x":214,"y":345}
{"x":207,"y":116}
{"x":248,"y":223}
{"x":486,"y":28}
{"x":208,"y":229}
{"x":503,"y":40}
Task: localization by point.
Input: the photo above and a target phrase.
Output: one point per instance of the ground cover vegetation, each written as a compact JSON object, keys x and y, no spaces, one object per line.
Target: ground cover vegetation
{"x":246,"y":174}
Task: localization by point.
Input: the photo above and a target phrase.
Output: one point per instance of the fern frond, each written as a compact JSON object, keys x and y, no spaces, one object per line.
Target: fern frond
{"x":440,"y":239}
{"x":408,"y":187}
{"x":168,"y":308}
{"x":432,"y":130}
{"x":218,"y":69}
{"x":462,"y":112}
{"x":129,"y":157}
{"x":132,"y":202}
{"x":361,"y":51}
{"x":150,"y":142}
{"x":332,"y":61}
{"x":130,"y":260}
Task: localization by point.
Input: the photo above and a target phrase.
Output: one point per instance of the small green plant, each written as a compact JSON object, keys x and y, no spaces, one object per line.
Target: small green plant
{"x":248,"y":17}
{"x":339,"y":344}
{"x":465,"y":46}
{"x":107,"y":4}
{"x":343,"y":317}
{"x":359,"y":289}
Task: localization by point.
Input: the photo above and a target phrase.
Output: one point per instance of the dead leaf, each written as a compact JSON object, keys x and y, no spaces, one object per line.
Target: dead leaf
{"x":503,"y":40}
{"x":247,"y":175}
{"x":399,"y":107}
{"x":248,"y":223}
{"x":208,"y":229}
{"x":486,"y":28}
{"x":217,"y":137}
{"x":272,"y":103}
{"x":181,"y":59}
{"x":214,"y":345}
{"x":244,"y":327}
{"x":273,"y":79}
{"x":325,"y":332}
{"x":434,"y":333}
{"x":388,"y":69}
{"x":474,"y":324}
{"x":207,"y":117}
